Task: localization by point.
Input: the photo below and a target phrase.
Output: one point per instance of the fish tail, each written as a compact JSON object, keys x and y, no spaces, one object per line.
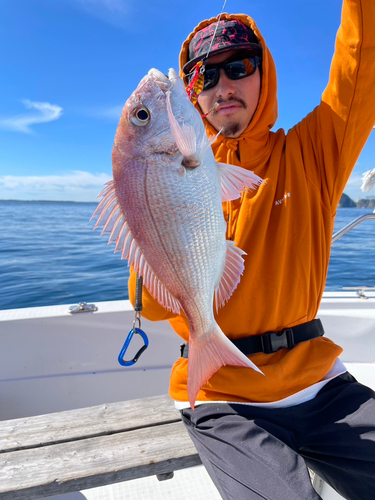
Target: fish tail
{"x":207,"y":354}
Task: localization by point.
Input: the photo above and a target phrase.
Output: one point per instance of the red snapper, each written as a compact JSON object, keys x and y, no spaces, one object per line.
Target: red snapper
{"x":164,"y":211}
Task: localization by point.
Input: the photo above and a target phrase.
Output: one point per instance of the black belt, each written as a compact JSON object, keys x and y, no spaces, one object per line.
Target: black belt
{"x":274,"y":341}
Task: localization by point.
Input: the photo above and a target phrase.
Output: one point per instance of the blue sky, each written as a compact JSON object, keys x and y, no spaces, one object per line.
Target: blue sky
{"x":68,"y":66}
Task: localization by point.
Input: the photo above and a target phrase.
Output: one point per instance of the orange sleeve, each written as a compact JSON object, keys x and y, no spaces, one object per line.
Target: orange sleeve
{"x":336,"y":131}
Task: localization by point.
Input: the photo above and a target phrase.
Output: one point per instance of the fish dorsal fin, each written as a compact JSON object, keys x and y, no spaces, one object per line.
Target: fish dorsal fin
{"x":236,"y":179}
{"x":233,"y":269}
{"x":110,"y":216}
{"x":156,"y":287}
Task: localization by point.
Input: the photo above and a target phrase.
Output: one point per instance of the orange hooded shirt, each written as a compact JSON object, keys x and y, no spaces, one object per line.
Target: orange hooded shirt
{"x":286,"y":226}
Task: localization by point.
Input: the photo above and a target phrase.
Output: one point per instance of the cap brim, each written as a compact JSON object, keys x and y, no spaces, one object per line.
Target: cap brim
{"x":251,"y":47}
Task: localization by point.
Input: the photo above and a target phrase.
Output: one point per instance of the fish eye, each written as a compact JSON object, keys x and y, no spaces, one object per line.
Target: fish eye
{"x":140,"y":116}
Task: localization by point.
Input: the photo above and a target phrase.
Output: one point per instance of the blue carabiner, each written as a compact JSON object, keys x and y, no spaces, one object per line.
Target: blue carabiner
{"x":126,"y":345}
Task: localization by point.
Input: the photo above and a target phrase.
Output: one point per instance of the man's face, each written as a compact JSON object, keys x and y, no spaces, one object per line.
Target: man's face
{"x":233,"y":102}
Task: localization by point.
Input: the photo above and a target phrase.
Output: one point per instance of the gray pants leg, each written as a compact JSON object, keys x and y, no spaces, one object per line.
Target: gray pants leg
{"x":255,"y":453}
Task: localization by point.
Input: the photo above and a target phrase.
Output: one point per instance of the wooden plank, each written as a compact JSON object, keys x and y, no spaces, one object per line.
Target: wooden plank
{"x":66,"y":467}
{"x":99,"y":420}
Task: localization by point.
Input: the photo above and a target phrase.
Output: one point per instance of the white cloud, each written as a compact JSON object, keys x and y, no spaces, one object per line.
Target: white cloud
{"x":72,"y":186}
{"x":355,"y":180}
{"x":41,"y":112}
{"x":368,"y":180}
{"x":353,"y":186}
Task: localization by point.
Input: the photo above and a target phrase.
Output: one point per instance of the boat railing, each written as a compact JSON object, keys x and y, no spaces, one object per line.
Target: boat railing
{"x":351,"y":225}
{"x":360,"y":291}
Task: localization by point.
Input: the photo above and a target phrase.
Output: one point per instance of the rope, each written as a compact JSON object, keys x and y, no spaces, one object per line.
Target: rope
{"x":217,"y":25}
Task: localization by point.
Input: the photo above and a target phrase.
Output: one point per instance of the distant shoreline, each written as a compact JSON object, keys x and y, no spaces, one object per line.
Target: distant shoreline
{"x":345,"y":202}
{"x":54,"y":201}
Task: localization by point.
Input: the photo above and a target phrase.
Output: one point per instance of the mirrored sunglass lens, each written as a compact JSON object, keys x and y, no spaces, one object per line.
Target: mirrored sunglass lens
{"x":233,"y":69}
{"x":239,"y":69}
{"x":210,"y":78}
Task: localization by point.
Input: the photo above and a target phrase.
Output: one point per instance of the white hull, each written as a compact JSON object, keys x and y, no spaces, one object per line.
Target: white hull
{"x":52,"y":361}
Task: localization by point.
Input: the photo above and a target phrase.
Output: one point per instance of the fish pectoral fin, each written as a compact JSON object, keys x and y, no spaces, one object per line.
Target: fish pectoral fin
{"x":233,"y":269}
{"x":236,"y":179}
{"x":184,"y":136}
{"x":206,"y":355}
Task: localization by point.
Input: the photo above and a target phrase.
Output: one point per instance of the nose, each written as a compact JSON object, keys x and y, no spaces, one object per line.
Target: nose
{"x":225,"y":87}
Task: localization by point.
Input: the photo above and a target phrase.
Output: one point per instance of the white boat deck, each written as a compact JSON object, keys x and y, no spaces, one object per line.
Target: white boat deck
{"x":53,"y":361}
{"x":187,"y":484}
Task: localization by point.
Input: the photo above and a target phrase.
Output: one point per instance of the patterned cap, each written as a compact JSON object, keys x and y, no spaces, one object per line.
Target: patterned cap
{"x":230,"y":35}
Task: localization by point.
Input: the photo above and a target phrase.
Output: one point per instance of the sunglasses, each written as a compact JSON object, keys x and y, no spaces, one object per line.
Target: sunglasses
{"x":234,"y":68}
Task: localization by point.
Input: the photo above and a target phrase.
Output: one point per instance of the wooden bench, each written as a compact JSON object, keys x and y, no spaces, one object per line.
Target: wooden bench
{"x":74,"y":450}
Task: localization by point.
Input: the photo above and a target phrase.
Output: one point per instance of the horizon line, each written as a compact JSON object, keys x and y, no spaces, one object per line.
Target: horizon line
{"x":48,"y":201}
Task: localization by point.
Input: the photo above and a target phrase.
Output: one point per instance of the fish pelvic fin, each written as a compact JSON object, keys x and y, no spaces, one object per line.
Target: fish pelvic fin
{"x":184,"y":136}
{"x":207,"y":355}
{"x":233,"y":268}
{"x":236,"y":179}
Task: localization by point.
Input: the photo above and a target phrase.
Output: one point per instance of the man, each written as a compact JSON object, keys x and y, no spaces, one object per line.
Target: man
{"x":255,"y":434}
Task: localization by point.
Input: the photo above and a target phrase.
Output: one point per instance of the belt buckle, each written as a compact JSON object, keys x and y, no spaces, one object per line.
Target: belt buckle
{"x":273,"y":342}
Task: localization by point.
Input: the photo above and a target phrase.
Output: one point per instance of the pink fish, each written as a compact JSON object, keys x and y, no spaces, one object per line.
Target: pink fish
{"x":164,"y":211}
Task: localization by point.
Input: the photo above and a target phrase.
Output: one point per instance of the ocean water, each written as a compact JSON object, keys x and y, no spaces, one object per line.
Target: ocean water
{"x":50,"y":255}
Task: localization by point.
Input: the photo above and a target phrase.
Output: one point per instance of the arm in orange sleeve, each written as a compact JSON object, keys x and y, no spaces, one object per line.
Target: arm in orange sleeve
{"x":333,"y":135}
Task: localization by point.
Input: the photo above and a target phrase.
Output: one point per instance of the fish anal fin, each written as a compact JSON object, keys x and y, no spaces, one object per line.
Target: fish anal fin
{"x":236,"y":179}
{"x":233,"y":268}
{"x":206,"y":355}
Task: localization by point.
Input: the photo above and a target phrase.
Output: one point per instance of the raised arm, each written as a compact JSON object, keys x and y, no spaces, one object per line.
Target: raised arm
{"x":337,"y":130}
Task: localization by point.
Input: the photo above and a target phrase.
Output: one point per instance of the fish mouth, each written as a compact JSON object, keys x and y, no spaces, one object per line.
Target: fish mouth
{"x":165,"y":83}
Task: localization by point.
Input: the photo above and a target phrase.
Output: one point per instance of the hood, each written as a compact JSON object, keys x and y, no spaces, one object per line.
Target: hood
{"x":255,"y":142}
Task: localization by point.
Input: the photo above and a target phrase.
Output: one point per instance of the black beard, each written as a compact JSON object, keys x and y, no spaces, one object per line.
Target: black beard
{"x":230,"y":130}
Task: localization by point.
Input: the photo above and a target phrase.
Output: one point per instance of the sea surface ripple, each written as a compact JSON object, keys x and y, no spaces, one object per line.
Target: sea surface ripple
{"x":50,"y":255}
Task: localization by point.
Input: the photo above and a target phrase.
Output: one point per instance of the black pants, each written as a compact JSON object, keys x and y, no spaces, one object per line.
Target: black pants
{"x":257,"y":453}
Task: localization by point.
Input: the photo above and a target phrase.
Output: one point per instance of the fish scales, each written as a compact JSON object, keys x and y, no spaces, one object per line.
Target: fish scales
{"x":179,"y":246}
{"x":192,"y":245}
